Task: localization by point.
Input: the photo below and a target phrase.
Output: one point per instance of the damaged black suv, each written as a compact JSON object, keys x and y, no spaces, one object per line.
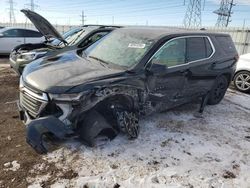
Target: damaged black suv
{"x":98,"y":92}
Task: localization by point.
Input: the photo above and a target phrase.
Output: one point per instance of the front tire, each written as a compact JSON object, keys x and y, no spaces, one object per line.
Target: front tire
{"x":242,"y":81}
{"x":218,"y":91}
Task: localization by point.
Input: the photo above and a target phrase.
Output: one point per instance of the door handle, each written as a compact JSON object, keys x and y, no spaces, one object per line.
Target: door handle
{"x":214,"y":64}
{"x":19,"y":41}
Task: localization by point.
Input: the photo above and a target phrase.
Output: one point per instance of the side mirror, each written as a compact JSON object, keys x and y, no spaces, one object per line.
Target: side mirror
{"x":157,"y":68}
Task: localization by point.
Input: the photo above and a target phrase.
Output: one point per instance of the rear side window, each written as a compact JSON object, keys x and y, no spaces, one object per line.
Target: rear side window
{"x":226,"y":43}
{"x":12,"y":33}
{"x":196,"y":48}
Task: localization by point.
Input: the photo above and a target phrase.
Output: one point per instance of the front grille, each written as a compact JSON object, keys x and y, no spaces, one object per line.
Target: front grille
{"x":32,"y":102}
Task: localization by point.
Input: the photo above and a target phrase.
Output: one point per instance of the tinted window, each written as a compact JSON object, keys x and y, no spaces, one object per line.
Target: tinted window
{"x":226,"y":43}
{"x":196,"y":48}
{"x":172,"y":53}
{"x":29,"y":33}
{"x":12,"y":33}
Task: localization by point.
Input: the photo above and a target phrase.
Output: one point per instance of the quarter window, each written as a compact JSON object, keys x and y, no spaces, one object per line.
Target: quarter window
{"x":172,"y":53}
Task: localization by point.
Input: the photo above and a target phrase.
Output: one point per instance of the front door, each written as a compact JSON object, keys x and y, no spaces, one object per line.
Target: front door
{"x":167,"y":75}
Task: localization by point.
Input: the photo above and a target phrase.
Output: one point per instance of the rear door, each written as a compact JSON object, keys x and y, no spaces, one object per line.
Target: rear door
{"x":199,"y":77}
{"x":31,"y":36}
{"x":10,"y":39}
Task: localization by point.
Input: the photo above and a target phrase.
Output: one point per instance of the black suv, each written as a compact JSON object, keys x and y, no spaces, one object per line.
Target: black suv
{"x":131,"y":72}
{"x":78,"y":37}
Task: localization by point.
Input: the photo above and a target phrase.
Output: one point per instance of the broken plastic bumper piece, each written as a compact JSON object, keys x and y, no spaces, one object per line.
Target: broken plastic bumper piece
{"x":38,"y":129}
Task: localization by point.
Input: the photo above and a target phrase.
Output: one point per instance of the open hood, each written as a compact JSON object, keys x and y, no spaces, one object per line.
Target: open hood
{"x":42,"y":25}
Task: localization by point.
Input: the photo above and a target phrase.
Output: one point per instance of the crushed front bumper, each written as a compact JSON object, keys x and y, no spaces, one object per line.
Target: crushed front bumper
{"x":38,"y":129}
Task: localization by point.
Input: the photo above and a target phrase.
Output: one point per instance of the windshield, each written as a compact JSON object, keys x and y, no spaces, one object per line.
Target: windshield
{"x":72,"y":37}
{"x":121,"y":48}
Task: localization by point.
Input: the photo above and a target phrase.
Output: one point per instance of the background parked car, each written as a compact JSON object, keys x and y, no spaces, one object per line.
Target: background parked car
{"x":79,"y":37}
{"x":242,"y":74}
{"x":12,"y":37}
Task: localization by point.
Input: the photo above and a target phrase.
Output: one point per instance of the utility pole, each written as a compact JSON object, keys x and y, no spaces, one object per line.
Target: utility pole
{"x":193,"y":14}
{"x":224,"y":13}
{"x":83,"y":18}
{"x":11,"y":9}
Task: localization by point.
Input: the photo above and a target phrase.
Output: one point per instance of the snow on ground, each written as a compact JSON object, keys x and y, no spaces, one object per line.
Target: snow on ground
{"x":175,"y":149}
{"x":13,"y":166}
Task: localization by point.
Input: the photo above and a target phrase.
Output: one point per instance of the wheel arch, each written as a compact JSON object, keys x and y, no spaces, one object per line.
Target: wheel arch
{"x":238,"y":71}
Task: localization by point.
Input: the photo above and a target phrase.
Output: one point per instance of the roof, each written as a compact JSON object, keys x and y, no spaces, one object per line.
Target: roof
{"x":159,"y":32}
{"x":7,"y":28}
{"x":101,"y":26}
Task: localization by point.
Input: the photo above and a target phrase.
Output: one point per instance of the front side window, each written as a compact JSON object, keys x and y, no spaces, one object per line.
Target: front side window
{"x":172,"y":53}
{"x":72,"y":37}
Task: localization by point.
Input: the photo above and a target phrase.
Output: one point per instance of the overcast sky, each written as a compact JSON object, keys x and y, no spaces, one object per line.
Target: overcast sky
{"x":132,"y":12}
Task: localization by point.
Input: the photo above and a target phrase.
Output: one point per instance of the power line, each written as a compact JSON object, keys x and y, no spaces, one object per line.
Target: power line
{"x":224,"y":13}
{"x":193,"y":14}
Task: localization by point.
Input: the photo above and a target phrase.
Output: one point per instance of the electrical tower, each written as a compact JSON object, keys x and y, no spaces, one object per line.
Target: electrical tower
{"x":32,"y":5}
{"x":193,"y":14}
{"x":12,"y":18}
{"x":224,"y":13}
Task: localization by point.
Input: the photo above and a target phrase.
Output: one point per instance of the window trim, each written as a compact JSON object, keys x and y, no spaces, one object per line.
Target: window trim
{"x":190,"y":62}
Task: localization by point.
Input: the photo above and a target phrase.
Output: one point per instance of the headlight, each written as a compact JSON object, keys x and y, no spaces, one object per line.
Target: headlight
{"x":26,"y":56}
{"x":67,"y":97}
{"x":29,"y":56}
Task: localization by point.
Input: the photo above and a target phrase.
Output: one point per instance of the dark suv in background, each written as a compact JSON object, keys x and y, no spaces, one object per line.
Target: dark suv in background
{"x":104,"y":89}
{"x":79,"y":37}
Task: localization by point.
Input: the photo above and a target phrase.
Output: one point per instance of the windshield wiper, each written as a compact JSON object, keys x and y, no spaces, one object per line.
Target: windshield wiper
{"x":100,"y":60}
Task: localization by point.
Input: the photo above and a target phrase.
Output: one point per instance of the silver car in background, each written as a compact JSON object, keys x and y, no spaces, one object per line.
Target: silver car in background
{"x":242,"y":75}
{"x":11,"y":37}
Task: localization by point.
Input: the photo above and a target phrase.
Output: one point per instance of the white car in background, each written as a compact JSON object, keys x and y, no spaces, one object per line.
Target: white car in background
{"x":242,"y":75}
{"x":11,"y":37}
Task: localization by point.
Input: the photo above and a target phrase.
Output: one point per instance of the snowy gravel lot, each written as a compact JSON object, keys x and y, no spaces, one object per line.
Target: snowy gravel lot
{"x":177,"y":148}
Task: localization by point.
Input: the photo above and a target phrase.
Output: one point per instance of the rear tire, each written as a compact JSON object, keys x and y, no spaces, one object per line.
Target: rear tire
{"x":242,"y":81}
{"x":218,"y":91}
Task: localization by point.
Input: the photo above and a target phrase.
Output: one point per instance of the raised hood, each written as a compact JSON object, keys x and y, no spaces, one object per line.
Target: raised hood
{"x":60,"y":73}
{"x":42,"y":25}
